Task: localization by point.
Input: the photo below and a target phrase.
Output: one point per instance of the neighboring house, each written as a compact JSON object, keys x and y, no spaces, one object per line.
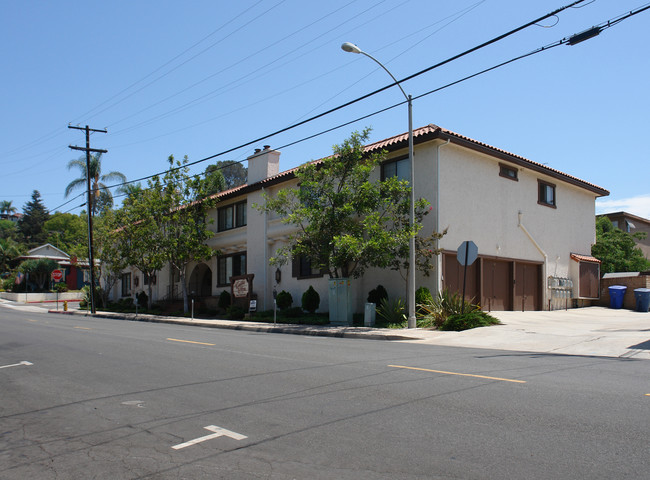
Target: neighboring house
{"x":533,"y":225}
{"x":76,"y":274}
{"x":14,"y":217}
{"x":632,"y":224}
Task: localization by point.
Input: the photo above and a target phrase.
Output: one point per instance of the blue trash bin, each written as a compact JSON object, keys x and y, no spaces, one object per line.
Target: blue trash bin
{"x":642,"y":297}
{"x":616,"y":294}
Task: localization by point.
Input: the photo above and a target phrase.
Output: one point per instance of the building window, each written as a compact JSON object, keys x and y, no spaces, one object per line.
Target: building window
{"x":507,"y":171}
{"x":146,"y":279}
{"x":302,"y":267}
{"x":400,"y":168}
{"x":126,"y":284}
{"x":546,"y":195}
{"x":232,"y":216}
{"x":230,"y":266}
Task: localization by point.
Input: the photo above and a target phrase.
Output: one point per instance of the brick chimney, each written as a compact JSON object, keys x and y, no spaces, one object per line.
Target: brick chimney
{"x":263,"y":164}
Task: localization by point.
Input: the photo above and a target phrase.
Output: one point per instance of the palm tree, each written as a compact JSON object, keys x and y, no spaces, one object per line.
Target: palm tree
{"x":6,"y":207}
{"x":100,"y":192}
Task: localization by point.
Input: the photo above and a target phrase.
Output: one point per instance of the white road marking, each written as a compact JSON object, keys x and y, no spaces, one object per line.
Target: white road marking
{"x":17,"y":364}
{"x":218,"y":432}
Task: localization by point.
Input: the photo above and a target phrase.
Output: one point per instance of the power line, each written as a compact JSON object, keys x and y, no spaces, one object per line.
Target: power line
{"x":564,"y":41}
{"x":176,"y":57}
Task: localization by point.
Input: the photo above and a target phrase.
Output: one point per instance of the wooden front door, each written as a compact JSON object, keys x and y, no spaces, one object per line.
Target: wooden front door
{"x":527,"y":287}
{"x":497,"y":284}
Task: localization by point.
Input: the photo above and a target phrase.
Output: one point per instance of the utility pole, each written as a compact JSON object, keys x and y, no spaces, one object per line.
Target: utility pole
{"x":89,"y":203}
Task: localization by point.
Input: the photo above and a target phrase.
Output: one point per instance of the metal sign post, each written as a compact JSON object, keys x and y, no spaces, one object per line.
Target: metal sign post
{"x":466,"y":254}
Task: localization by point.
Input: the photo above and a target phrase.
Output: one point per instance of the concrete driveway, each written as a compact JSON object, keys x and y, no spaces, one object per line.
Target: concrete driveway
{"x":595,"y":331}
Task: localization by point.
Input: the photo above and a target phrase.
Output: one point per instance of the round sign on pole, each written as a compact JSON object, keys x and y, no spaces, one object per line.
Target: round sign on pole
{"x":57,"y":275}
{"x":467,"y":253}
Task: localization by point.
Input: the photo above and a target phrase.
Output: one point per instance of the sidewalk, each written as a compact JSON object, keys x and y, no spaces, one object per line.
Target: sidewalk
{"x":591,"y":331}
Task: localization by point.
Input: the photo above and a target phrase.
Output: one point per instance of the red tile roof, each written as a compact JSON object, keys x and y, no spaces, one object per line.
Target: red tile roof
{"x":427,"y":133}
{"x":584,"y":258}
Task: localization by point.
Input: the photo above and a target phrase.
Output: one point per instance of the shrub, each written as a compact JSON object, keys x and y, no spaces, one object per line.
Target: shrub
{"x":295,"y":312}
{"x":224,"y":300}
{"x":310,"y":300}
{"x":378,"y":294}
{"x":443,"y":306}
{"x":392,"y":312}
{"x":235,"y":312}
{"x":60,"y":287}
{"x":284,"y":300}
{"x":422,"y":297}
{"x":464,"y":321}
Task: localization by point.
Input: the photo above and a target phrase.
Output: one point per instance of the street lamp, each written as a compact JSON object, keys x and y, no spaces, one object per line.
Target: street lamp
{"x":352,"y":48}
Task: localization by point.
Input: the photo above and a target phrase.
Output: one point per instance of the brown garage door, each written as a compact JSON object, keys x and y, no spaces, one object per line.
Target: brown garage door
{"x":453,"y":278}
{"x":527,"y":286}
{"x":497,"y":284}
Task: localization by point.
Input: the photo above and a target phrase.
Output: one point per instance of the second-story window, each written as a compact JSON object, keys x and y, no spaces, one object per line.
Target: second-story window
{"x":400,"y":168}
{"x":507,"y":171}
{"x":231,"y":216}
{"x":546,"y":195}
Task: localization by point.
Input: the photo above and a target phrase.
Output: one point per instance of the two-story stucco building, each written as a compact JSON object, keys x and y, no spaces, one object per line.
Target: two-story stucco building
{"x":533,"y":225}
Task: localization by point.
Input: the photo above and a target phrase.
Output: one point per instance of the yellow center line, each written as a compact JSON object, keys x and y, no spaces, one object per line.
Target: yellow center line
{"x":35,"y":321}
{"x":190,"y":341}
{"x":459,"y":374}
{"x":83,"y":328}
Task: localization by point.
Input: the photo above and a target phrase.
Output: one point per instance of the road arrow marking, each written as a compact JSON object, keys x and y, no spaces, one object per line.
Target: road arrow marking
{"x":218,"y":432}
{"x":17,"y":364}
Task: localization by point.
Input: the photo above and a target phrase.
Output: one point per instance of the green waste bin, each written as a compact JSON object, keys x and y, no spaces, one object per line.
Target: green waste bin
{"x":616,"y":294}
{"x":642,"y":297}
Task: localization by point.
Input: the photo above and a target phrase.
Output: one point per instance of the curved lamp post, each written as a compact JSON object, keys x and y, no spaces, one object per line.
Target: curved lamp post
{"x":352,"y":48}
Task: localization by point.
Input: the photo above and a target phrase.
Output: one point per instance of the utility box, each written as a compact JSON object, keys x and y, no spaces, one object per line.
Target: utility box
{"x":340,"y":301}
{"x":369,"y":315}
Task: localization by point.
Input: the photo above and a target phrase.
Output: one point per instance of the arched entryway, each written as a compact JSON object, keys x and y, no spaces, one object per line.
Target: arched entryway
{"x":200,"y":284}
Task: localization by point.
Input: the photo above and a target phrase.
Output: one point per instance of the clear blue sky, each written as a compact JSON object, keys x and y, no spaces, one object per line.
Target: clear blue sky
{"x":199,"y":77}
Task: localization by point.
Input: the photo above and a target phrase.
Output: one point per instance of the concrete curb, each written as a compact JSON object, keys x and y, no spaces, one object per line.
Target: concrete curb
{"x":309,"y":330}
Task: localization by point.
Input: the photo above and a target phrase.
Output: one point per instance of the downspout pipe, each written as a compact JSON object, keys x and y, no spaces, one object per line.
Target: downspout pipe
{"x":541,"y":250}
{"x":438,"y":276}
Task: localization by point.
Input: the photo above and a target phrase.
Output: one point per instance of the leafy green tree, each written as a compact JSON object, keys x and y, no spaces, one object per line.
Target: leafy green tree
{"x":166,"y":223}
{"x":426,"y":249}
{"x":68,"y":232}
{"x":214,"y":180}
{"x":345,"y":222}
{"x":101,"y":197}
{"x":9,"y":250}
{"x":186,"y":222}
{"x":234,"y":173}
{"x":135,"y":235}
{"x":616,"y":249}
{"x":109,"y":264}
{"x":31,"y":223}
{"x":8,"y":229}
{"x":39,"y":271}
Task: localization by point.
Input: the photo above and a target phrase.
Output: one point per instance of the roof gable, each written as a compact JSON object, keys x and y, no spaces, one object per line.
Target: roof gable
{"x":47,"y":251}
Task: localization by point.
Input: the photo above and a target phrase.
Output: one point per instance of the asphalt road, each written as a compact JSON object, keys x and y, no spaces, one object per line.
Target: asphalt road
{"x":85,"y":398}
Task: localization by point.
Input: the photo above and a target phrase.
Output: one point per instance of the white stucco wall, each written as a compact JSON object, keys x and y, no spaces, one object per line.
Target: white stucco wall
{"x":475,"y":204}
